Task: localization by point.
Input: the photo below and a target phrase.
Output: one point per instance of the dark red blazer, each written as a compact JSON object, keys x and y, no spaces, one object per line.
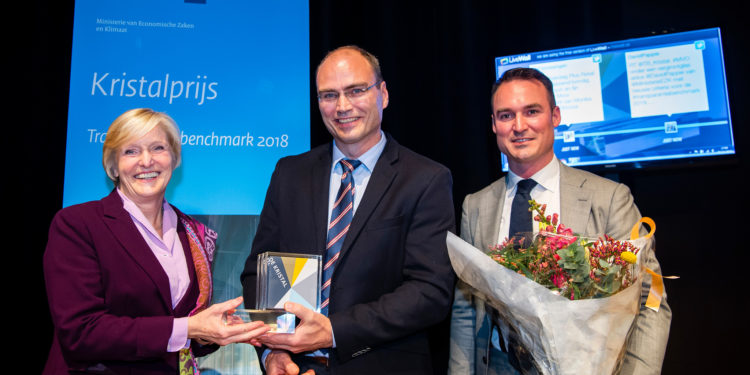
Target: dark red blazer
{"x":108,"y":295}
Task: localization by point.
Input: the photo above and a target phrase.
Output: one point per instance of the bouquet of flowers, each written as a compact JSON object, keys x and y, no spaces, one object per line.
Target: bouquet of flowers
{"x":568,"y":301}
{"x":573,"y":266}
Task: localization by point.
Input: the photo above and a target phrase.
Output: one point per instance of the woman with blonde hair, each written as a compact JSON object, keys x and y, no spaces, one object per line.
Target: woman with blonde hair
{"x":128,"y":277}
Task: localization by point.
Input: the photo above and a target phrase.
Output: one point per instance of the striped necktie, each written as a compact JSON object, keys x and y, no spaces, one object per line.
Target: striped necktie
{"x":341,"y":218}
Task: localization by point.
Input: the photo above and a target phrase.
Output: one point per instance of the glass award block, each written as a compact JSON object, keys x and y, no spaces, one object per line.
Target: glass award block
{"x":279,"y":320}
{"x":287,"y":277}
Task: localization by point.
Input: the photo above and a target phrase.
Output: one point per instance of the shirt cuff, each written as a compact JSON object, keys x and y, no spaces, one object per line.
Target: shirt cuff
{"x":179,"y":340}
{"x":263,"y":357}
{"x":333,"y":337}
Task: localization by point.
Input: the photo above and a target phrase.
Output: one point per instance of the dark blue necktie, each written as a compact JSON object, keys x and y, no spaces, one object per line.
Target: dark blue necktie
{"x":341,"y":218}
{"x":520,"y":227}
{"x":520,"y":216}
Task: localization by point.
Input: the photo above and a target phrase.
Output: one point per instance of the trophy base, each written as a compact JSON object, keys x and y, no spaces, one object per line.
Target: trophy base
{"x":279,"y":320}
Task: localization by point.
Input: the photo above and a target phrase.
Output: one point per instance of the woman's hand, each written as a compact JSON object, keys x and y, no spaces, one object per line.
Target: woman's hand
{"x":208,"y":326}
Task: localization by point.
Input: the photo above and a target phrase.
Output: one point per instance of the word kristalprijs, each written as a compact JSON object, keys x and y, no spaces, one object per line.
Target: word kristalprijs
{"x":200,"y":89}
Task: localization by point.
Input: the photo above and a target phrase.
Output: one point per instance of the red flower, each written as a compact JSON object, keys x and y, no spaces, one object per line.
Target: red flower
{"x":558,"y":279}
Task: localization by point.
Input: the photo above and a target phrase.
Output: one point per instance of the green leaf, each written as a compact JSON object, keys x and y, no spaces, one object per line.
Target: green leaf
{"x":526,"y":271}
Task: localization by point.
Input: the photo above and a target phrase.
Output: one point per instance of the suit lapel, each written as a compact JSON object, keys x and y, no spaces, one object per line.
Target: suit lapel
{"x":381,"y":179}
{"x":575,"y":201}
{"x":490,"y":215}
{"x":320,"y":181}
{"x":119,"y":222}
{"x":187,"y":303}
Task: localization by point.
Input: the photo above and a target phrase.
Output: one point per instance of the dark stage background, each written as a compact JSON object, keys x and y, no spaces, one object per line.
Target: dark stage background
{"x":437,"y":58}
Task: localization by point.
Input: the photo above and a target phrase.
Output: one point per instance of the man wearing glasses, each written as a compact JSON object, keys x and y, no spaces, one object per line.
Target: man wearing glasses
{"x":378,"y":214}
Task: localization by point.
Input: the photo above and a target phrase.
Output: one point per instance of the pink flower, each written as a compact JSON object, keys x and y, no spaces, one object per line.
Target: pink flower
{"x":558,"y":279}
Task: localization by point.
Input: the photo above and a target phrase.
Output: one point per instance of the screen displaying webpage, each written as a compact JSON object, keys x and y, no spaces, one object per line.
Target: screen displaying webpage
{"x":655,"y":98}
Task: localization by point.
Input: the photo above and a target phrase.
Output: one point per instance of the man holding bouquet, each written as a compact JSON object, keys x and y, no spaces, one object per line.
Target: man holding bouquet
{"x":524,"y":116}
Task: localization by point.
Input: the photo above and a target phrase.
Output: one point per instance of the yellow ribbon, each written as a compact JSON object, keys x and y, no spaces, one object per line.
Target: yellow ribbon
{"x":656,"y":293}
{"x":635,"y":232}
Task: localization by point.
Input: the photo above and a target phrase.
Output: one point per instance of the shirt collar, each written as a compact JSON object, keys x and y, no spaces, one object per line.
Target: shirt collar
{"x":546,"y":177}
{"x":169,"y":217}
{"x":368,"y":159}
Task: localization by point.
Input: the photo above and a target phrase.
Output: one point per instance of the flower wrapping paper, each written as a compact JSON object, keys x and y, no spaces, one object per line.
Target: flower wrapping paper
{"x":563,"y":336}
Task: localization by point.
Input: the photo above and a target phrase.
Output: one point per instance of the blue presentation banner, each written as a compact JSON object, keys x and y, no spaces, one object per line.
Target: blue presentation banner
{"x":233,"y":74}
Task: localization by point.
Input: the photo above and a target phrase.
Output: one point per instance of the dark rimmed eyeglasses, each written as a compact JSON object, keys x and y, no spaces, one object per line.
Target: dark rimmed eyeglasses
{"x":350,"y":93}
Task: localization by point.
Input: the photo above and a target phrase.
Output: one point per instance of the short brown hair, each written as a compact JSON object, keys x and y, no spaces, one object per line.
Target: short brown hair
{"x":525,"y":74}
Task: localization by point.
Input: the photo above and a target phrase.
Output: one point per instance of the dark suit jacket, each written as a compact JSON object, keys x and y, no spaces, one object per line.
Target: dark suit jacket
{"x":393,"y":279}
{"x":109,"y":296}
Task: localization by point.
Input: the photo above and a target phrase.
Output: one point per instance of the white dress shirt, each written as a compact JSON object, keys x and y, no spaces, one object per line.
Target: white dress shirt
{"x":361,"y":174}
{"x":546,"y":191}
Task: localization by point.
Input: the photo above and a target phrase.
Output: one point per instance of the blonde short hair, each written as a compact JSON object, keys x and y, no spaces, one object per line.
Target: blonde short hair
{"x":134,"y":124}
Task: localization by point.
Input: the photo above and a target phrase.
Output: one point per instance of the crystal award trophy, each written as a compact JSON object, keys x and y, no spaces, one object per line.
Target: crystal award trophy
{"x":283,"y":277}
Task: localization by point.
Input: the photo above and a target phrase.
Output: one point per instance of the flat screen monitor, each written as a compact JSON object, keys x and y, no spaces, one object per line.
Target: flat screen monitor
{"x":638,"y":102}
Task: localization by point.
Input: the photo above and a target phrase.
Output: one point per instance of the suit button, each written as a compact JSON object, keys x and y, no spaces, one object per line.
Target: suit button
{"x":484,"y":360}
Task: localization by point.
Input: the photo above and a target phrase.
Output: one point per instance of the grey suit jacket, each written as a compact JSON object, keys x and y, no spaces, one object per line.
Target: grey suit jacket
{"x":589,"y":204}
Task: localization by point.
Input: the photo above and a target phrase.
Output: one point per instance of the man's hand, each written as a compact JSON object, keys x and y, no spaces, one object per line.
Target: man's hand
{"x":279,"y":362}
{"x":313,"y":332}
